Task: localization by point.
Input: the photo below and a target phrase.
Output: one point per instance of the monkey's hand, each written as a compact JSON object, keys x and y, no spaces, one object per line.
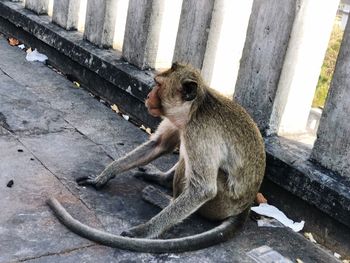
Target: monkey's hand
{"x":141,"y":231}
{"x":96,"y":181}
{"x":152,"y":174}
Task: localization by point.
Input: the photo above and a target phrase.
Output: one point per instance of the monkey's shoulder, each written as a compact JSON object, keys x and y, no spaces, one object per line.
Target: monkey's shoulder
{"x":221,"y":110}
{"x":224,"y":119}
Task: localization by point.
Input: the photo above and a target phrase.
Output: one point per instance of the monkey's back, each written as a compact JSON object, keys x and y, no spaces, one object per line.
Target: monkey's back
{"x":237,"y":141}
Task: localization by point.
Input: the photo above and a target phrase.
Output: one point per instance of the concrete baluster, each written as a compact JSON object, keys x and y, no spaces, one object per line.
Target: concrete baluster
{"x":142,"y":32}
{"x":268,"y":33}
{"x":100,"y":22}
{"x":41,"y":7}
{"x":66,"y":13}
{"x":194,"y":27}
{"x":332,"y":147}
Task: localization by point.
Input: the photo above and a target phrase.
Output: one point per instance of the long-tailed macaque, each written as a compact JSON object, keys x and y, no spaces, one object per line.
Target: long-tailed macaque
{"x":219,"y":172}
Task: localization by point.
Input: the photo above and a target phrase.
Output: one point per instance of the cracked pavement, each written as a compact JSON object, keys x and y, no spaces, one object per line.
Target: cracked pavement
{"x":52,"y":132}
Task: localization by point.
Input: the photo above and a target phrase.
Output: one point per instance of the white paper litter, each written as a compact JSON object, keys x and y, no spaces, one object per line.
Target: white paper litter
{"x":21,"y":46}
{"x":269,"y":222}
{"x":274,"y":212}
{"x":126,"y":117}
{"x":36,"y":56}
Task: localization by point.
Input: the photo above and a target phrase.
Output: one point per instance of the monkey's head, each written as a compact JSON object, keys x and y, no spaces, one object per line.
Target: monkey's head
{"x":176,"y":89}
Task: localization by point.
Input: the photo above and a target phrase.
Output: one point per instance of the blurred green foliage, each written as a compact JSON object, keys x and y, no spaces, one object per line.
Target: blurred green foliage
{"x":328,"y":66}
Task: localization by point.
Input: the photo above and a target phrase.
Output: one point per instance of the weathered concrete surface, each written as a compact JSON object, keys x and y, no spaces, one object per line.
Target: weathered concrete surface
{"x":192,"y":36}
{"x":66,"y":13}
{"x":142,"y":23}
{"x":100,"y":22}
{"x":319,"y":195}
{"x":28,"y":229}
{"x":263,"y":55}
{"x":306,"y":50}
{"x":81,"y":137}
{"x":295,"y":172}
{"x":41,"y":7}
{"x":332,"y":147}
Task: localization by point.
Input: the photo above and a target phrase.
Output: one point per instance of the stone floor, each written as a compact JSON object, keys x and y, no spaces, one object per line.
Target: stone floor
{"x":52,"y":132}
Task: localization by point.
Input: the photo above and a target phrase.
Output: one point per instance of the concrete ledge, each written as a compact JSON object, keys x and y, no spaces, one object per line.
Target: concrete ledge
{"x":307,"y":191}
{"x":289,"y":166}
{"x":107,"y":75}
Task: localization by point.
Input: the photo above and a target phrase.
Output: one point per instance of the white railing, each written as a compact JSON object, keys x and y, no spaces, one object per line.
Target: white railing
{"x":265,"y":53}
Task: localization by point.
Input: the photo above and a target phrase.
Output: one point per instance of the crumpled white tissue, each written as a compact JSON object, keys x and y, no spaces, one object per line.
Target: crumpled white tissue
{"x":272,"y":211}
{"x":36,"y":56}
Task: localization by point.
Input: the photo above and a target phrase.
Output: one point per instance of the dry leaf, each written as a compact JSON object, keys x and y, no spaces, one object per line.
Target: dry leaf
{"x":309,"y":236}
{"x":76,"y":83}
{"x":13,"y":41}
{"x":260,"y":199}
{"x":115,"y":108}
{"x":149,"y":131}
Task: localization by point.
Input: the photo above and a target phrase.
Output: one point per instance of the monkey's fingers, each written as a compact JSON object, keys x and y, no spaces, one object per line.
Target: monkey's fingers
{"x":140,"y":231}
{"x":149,"y":177}
{"x":153,"y":175}
{"x":86,"y":180}
{"x":141,"y":173}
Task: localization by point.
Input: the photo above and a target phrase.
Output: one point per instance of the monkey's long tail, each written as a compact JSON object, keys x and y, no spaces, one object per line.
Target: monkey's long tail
{"x":211,"y":237}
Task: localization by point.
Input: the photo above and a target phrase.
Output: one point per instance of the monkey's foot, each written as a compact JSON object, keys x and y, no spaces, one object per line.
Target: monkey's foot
{"x":96,"y":181}
{"x":140,"y":231}
{"x":156,"y":197}
{"x":152,"y":174}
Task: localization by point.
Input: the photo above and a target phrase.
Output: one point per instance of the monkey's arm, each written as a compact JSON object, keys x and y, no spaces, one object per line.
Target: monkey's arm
{"x":164,"y":140}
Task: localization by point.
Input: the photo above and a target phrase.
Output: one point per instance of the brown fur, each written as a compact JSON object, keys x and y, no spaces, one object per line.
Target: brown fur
{"x":222,"y":157}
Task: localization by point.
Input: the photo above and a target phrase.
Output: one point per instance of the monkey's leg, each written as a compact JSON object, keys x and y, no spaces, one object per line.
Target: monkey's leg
{"x":183,"y":206}
{"x":156,"y":197}
{"x":179,"y":181}
{"x":152,"y":174}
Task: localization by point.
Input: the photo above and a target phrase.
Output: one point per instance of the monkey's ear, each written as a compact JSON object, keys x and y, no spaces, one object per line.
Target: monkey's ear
{"x":189,"y":89}
{"x":174,"y":65}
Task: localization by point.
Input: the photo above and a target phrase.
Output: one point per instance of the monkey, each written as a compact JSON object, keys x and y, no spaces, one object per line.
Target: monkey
{"x":219,"y":172}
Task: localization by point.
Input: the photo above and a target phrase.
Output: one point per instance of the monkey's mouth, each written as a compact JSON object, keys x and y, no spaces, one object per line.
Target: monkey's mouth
{"x":155,"y":111}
